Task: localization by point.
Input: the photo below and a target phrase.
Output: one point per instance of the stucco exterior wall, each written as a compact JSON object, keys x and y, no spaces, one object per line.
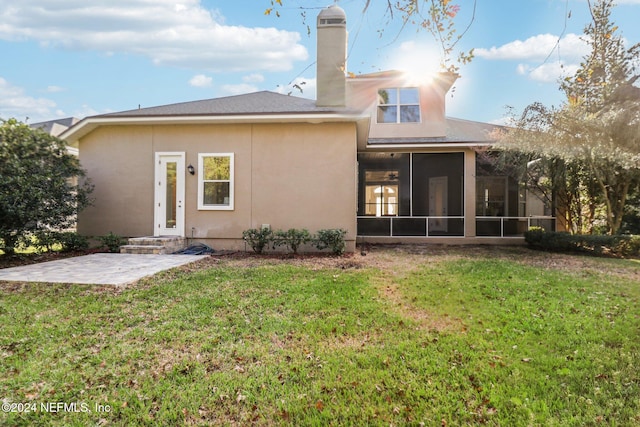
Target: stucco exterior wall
{"x":119,"y":163}
{"x":289,"y":176}
{"x":304,"y":176}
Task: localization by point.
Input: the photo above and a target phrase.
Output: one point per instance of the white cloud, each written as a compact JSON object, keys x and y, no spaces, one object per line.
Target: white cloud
{"x":170,"y":32}
{"x":549,"y":72}
{"x":86,"y":111}
{"x":570,"y":47}
{"x":253,"y":78}
{"x":502,"y":121}
{"x":200,"y":80}
{"x":238,"y":89}
{"x":301,"y":87}
{"x":544,"y":58}
{"x":15,"y":103}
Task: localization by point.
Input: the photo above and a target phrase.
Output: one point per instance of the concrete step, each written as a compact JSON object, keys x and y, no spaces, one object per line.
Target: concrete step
{"x":158,"y":241}
{"x":154,"y":245}
{"x":142,"y":249}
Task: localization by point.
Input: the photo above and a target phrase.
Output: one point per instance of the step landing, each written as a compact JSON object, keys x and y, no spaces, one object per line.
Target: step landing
{"x":154,"y":245}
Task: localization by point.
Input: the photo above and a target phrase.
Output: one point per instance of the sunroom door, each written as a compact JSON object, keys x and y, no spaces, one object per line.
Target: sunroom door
{"x":438,"y":201}
{"x":169,"y":194}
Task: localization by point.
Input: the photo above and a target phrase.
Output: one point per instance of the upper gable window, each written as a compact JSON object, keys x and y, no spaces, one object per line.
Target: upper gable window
{"x":399,"y":105}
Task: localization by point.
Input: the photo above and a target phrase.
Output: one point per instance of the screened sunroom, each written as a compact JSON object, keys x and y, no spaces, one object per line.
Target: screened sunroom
{"x":505,"y":206}
{"x":420,"y":194}
{"x":411,"y":194}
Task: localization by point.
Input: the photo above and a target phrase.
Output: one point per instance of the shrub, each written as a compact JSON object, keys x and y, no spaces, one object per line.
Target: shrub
{"x":112,"y":242}
{"x":45,"y":240}
{"x":258,"y":238}
{"x":68,"y":241}
{"x":534,"y":236}
{"x":72,"y":241}
{"x":628,"y":246}
{"x":292,"y":238}
{"x":331,"y":238}
{"x":596,"y":244}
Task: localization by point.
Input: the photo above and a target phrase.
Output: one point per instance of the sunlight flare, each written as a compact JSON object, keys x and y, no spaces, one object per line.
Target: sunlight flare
{"x":419,"y":62}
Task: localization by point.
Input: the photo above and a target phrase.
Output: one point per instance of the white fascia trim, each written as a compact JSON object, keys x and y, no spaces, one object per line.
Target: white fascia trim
{"x":74,"y":133}
{"x":449,"y":145}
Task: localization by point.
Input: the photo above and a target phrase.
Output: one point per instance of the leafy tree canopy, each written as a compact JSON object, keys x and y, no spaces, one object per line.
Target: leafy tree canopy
{"x":598,"y":126}
{"x":38,"y":185}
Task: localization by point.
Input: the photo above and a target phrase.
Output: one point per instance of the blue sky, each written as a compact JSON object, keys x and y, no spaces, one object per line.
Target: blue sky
{"x":77,"y":58}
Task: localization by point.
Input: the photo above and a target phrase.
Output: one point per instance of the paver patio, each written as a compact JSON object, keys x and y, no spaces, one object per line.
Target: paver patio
{"x":97,"y":269}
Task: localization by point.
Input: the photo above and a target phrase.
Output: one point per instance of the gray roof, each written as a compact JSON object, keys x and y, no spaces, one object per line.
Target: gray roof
{"x":470,"y":131}
{"x":55,"y":127}
{"x":264,"y":102}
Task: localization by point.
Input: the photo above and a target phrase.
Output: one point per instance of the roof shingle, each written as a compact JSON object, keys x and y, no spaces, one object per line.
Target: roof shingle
{"x":264,"y":102}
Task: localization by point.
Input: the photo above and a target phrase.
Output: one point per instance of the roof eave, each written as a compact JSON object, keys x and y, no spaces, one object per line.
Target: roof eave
{"x":440,"y":144}
{"x":87,"y":125}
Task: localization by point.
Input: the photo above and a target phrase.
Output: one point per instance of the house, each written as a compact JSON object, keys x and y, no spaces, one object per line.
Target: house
{"x":375,"y":155}
{"x":57,"y":127}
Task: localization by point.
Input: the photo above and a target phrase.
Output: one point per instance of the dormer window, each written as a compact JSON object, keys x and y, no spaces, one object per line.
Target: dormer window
{"x":399,"y":105}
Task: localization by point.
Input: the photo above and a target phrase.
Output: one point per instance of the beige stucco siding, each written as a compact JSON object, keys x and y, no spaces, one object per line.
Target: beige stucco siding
{"x":304,"y":176}
{"x":289,"y":176}
{"x":119,"y":163}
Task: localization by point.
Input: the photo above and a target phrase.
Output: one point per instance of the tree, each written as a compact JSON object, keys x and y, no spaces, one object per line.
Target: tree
{"x":435,"y":16}
{"x":38,"y":183}
{"x":598,"y":126}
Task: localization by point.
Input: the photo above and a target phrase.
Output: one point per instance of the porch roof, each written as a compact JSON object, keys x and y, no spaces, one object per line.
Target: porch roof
{"x":458,"y":133}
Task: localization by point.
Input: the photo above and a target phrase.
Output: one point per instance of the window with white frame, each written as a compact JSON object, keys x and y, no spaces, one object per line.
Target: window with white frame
{"x":399,"y":105}
{"x":215,"y":181}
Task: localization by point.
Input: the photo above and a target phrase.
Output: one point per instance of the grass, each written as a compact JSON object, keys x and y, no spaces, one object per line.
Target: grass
{"x":401,"y":339}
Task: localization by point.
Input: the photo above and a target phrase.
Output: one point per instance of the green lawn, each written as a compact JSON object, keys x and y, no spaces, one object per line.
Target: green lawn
{"x":460,"y":337}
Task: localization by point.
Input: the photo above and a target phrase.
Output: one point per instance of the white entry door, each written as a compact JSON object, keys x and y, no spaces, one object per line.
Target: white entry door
{"x":438,"y":202}
{"x":169,"y":195}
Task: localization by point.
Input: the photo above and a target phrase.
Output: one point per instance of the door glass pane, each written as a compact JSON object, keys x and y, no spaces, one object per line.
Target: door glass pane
{"x":171,"y":196}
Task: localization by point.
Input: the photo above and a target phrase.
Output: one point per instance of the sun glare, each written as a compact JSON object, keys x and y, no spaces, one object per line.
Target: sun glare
{"x":420,"y":63}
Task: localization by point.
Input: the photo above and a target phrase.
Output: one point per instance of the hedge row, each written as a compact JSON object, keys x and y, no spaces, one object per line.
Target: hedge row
{"x":70,"y":241}
{"x":618,"y":245}
{"x":293,"y":239}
